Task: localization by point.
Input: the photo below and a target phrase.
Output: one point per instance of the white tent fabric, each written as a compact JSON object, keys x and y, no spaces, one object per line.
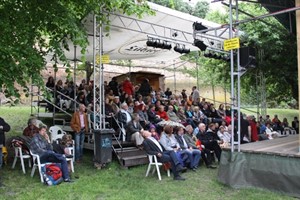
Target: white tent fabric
{"x":123,"y":43}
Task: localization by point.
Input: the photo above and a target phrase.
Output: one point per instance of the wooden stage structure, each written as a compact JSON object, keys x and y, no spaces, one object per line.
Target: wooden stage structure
{"x":270,"y":164}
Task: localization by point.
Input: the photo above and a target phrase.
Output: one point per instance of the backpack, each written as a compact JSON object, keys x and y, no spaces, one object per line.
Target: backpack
{"x":52,"y":174}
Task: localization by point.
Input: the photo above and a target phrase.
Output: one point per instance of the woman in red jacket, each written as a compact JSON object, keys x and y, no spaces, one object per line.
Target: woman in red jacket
{"x":127,"y":87}
{"x":162,"y":113}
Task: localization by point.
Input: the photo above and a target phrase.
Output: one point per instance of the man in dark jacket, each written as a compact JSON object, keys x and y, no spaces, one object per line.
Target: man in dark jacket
{"x":145,"y":88}
{"x":4,"y":127}
{"x":208,"y":139}
{"x":153,"y":147}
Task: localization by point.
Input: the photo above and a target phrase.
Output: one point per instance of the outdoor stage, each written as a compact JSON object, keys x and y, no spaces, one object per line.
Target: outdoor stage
{"x":270,"y":164}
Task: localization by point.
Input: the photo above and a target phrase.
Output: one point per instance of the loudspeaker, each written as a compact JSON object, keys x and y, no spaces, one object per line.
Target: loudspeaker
{"x":247,"y":57}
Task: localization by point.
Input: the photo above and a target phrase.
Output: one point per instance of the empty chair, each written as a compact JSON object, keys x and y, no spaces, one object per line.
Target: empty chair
{"x":153,"y":162}
{"x":56,"y":133}
{"x":19,"y":154}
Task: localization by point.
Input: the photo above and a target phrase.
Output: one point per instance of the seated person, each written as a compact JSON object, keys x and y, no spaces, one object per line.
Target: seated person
{"x":270,"y":133}
{"x":124,"y":116}
{"x":152,"y":116}
{"x":31,"y":129}
{"x":194,"y":154}
{"x":152,"y":130}
{"x":169,"y":142}
{"x":162,"y":113}
{"x":191,"y":140}
{"x":40,"y":144}
{"x":153,"y":147}
{"x":224,"y":136}
{"x":208,"y":140}
{"x":133,"y":131}
{"x":61,"y":146}
{"x":172,"y":115}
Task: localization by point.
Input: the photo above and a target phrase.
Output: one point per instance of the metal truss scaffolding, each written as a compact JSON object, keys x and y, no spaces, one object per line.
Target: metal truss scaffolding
{"x":99,"y":109}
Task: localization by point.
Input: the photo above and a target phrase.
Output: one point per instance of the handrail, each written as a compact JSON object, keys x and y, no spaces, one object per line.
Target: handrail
{"x":73,"y":100}
{"x":53,"y":104}
{"x":117,"y":139}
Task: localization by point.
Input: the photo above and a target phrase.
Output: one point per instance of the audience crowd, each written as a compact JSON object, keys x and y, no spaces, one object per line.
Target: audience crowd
{"x":180,"y":129}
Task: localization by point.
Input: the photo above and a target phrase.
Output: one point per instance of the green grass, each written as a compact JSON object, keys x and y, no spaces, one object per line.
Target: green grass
{"x":282,"y":113}
{"x":116,"y":183}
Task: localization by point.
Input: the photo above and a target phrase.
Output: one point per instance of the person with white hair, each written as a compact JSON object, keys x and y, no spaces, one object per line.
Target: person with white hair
{"x":133,"y":131}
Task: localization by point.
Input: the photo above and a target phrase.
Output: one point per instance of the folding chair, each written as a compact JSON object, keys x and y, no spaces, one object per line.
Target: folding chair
{"x":153,"y":162}
{"x":19,"y":154}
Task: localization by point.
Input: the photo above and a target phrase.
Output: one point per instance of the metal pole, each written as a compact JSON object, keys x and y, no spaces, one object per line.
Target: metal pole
{"x":197,"y":70}
{"x":94,"y":74}
{"x":238,"y":85}
{"x":174,"y":76}
{"x":232,"y":78}
{"x":102,"y":115}
{"x":75,"y":63}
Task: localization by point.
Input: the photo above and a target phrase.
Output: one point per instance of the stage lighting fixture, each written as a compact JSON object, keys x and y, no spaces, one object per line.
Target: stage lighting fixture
{"x":181,"y":49}
{"x":150,"y":42}
{"x":200,"y":44}
{"x":166,"y":45}
{"x":199,"y":27}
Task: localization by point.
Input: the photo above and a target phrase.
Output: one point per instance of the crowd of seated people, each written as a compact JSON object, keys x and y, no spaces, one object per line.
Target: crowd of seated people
{"x":205,"y":128}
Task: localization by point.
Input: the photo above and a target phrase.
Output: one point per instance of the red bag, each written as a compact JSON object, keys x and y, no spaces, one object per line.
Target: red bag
{"x":54,"y":171}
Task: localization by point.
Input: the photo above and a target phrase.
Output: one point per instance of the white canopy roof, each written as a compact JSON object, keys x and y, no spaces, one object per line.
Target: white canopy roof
{"x":128,"y":35}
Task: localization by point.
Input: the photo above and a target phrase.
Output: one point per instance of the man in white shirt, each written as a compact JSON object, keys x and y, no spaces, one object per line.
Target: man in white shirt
{"x":153,"y":147}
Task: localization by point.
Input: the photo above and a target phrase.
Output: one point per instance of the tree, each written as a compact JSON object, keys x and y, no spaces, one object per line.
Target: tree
{"x":200,"y":9}
{"x":30,"y":30}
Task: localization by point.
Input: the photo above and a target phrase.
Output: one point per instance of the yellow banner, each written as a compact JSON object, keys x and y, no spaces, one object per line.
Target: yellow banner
{"x":105,"y":59}
{"x":230,"y":44}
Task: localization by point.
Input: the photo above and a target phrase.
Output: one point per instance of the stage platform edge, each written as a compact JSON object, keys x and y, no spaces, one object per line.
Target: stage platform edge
{"x":265,"y":171}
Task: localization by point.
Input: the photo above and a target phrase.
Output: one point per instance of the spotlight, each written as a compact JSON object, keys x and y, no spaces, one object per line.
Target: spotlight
{"x":200,"y":44}
{"x":159,"y":44}
{"x":166,"y":45}
{"x":182,"y":49}
{"x":151,"y":42}
{"x":199,"y":27}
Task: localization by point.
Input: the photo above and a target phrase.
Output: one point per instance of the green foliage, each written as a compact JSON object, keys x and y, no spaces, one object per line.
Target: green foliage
{"x":31,"y":30}
{"x":276,"y":55}
{"x":115,"y":183}
{"x":200,"y":9}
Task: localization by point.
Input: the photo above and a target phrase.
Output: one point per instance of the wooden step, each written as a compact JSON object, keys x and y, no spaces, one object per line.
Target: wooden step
{"x":130,"y":152}
{"x":134,"y":160}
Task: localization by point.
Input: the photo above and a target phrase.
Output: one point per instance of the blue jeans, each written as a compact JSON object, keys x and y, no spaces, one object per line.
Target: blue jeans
{"x":1,"y":157}
{"x":51,"y":156}
{"x":193,"y":157}
{"x":79,"y":141}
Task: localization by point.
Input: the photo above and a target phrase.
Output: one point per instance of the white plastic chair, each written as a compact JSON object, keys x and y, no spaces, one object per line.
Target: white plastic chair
{"x":37,"y":164}
{"x":19,"y":154}
{"x":56,"y":133}
{"x":153,"y":162}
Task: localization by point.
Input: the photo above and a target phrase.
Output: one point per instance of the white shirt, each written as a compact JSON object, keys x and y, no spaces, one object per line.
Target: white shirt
{"x":156,"y":143}
{"x":81,"y":115}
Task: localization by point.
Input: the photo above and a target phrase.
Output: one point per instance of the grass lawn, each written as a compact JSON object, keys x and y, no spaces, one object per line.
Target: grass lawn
{"x":114,"y":182}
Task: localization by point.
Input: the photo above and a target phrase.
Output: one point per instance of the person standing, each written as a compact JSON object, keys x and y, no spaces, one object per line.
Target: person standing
{"x":79,"y":124}
{"x":4,"y":127}
{"x":195,"y":94}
